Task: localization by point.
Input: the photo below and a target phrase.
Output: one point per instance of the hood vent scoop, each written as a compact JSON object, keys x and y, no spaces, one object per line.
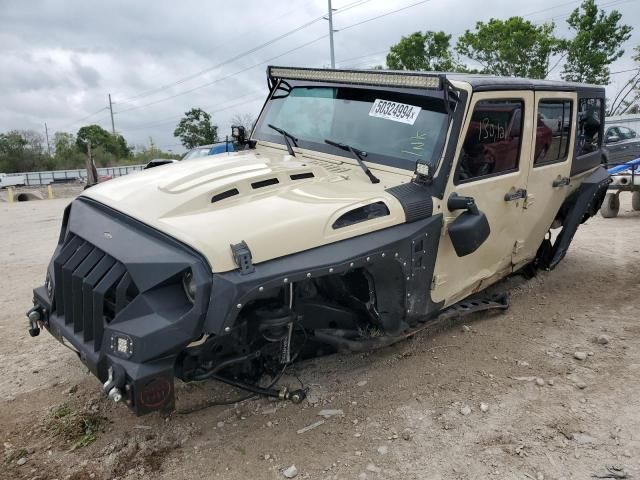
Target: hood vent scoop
{"x":301,"y":176}
{"x":221,"y":196}
{"x":265,"y":183}
{"x":362,"y":214}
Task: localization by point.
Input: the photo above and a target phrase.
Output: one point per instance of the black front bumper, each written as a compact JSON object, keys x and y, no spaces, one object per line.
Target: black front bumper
{"x":116,"y":298}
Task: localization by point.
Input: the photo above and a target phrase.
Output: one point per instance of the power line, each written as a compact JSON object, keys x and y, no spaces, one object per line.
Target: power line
{"x":242,"y":54}
{"x":84,"y":118}
{"x":225,"y":62}
{"x":351,"y":5}
{"x":149,"y":92}
{"x":383,"y":15}
{"x":184,"y":92}
{"x":550,"y":8}
{"x":625,"y":71}
{"x":362,"y":56}
{"x":604,"y":5}
{"x":173,"y":119}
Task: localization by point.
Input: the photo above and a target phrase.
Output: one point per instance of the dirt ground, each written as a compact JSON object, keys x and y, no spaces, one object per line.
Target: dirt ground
{"x":502,"y":396}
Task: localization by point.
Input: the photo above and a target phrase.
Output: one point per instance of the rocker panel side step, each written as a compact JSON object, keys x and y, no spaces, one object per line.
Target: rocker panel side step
{"x":352,"y":341}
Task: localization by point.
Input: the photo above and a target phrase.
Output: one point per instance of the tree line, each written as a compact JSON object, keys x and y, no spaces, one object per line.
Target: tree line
{"x":26,"y":150}
{"x":516,"y":47}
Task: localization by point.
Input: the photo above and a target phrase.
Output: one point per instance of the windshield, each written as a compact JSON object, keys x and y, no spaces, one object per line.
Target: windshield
{"x":197,"y":152}
{"x":394,"y":128}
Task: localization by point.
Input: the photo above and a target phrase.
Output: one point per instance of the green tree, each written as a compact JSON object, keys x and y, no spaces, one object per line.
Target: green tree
{"x":596,"y":45}
{"x":22,"y":151}
{"x":67,"y":155}
{"x":196,"y":128}
{"x":428,"y":51}
{"x":512,"y":47}
{"x":99,"y":137}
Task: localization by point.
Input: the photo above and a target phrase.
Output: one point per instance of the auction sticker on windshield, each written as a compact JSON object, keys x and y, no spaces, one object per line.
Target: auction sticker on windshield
{"x":398,"y":112}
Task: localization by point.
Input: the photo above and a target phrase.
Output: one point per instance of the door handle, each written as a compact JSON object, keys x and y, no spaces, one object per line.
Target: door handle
{"x":513,"y":195}
{"x":561,"y":182}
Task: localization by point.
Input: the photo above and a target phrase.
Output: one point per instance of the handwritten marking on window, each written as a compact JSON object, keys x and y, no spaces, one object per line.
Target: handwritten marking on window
{"x":492,"y":131}
{"x":417,"y":144}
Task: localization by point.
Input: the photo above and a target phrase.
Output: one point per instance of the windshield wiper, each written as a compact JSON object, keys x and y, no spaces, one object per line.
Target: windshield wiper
{"x":357,"y":154}
{"x":286,"y":136}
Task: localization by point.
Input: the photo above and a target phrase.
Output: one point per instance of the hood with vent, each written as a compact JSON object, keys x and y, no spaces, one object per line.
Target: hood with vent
{"x":277,"y":204}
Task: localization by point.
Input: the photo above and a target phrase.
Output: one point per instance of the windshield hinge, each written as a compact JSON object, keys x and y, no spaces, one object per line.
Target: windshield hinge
{"x":242,"y":257}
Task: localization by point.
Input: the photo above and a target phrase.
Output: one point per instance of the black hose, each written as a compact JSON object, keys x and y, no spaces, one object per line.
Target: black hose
{"x":222,"y":365}
{"x":268,"y":392}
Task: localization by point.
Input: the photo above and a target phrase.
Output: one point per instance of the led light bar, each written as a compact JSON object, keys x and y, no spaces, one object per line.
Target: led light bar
{"x":382,"y":78}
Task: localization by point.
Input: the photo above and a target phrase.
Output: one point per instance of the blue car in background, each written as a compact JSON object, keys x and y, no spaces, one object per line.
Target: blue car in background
{"x":197,"y":152}
{"x":239,"y":142}
{"x":211,"y":149}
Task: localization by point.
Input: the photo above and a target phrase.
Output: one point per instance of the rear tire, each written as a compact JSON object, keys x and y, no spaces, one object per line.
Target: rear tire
{"x":611,"y":206}
{"x":635,"y":200}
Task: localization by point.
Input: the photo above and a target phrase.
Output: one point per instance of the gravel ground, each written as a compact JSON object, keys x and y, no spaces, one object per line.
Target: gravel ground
{"x":550,"y":389}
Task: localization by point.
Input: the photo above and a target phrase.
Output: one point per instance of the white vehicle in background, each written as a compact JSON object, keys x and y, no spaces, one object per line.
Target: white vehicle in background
{"x":11,"y":180}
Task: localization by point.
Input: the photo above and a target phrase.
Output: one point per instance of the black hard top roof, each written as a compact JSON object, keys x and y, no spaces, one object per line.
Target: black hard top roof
{"x":490,"y":82}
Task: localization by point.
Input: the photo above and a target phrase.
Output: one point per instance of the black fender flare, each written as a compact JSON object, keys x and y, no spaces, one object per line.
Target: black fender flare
{"x":584,"y":204}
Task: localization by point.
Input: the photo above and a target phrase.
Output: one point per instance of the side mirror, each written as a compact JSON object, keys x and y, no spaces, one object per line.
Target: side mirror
{"x":633,"y":134}
{"x":470,"y":229}
{"x":613,"y":139}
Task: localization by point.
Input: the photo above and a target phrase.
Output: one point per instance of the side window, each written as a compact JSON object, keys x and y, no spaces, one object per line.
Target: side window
{"x":589,"y":122}
{"x":553,"y":131}
{"x":627,"y":133}
{"x":492,"y":143}
{"x":613,"y":135}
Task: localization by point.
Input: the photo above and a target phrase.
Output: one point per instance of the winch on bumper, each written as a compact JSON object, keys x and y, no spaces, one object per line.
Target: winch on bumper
{"x":126,"y":298}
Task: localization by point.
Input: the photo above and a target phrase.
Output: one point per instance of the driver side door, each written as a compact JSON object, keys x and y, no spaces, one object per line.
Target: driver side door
{"x":492,"y":169}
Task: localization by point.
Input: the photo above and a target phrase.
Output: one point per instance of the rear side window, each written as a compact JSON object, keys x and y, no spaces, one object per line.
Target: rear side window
{"x":588,"y":137}
{"x":553,"y":131}
{"x":492,"y":144}
{"x":627,"y":133}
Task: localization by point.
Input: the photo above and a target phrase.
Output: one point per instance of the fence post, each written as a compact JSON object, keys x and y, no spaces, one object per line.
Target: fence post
{"x":10,"y":194}
{"x":50,"y":192}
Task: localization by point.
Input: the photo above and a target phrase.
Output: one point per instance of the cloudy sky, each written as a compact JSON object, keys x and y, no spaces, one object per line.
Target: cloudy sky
{"x":60,"y":59}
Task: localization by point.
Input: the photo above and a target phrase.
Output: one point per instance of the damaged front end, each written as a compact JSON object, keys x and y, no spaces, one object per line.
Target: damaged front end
{"x":139,"y":307}
{"x":126,"y":299}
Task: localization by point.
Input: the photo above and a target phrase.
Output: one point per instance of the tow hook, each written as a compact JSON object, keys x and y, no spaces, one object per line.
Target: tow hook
{"x":115,"y":381}
{"x":35,"y":315}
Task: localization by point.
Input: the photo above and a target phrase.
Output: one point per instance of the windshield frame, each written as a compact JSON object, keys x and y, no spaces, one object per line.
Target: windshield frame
{"x":373,"y":159}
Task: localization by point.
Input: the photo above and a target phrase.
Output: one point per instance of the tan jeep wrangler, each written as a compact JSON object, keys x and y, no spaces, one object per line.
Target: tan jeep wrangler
{"x":368,"y":204}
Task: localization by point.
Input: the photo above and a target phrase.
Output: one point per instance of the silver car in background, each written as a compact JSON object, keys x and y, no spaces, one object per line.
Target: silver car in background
{"x":621,"y":144}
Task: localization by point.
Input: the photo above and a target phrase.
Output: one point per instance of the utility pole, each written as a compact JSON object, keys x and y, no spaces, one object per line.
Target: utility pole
{"x":92,"y":172}
{"x":333,"y":58}
{"x":113,"y":125}
{"x":46,"y":134}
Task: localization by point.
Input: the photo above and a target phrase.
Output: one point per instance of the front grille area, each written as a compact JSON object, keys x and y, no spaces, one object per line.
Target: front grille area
{"x":91,"y":288}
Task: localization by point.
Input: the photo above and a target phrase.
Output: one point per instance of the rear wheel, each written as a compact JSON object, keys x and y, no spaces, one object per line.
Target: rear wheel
{"x":610,"y":206}
{"x":635,"y":200}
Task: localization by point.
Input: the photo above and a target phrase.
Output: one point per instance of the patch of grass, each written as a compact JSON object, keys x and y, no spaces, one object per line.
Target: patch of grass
{"x":15,"y":455}
{"x":77,"y":427}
